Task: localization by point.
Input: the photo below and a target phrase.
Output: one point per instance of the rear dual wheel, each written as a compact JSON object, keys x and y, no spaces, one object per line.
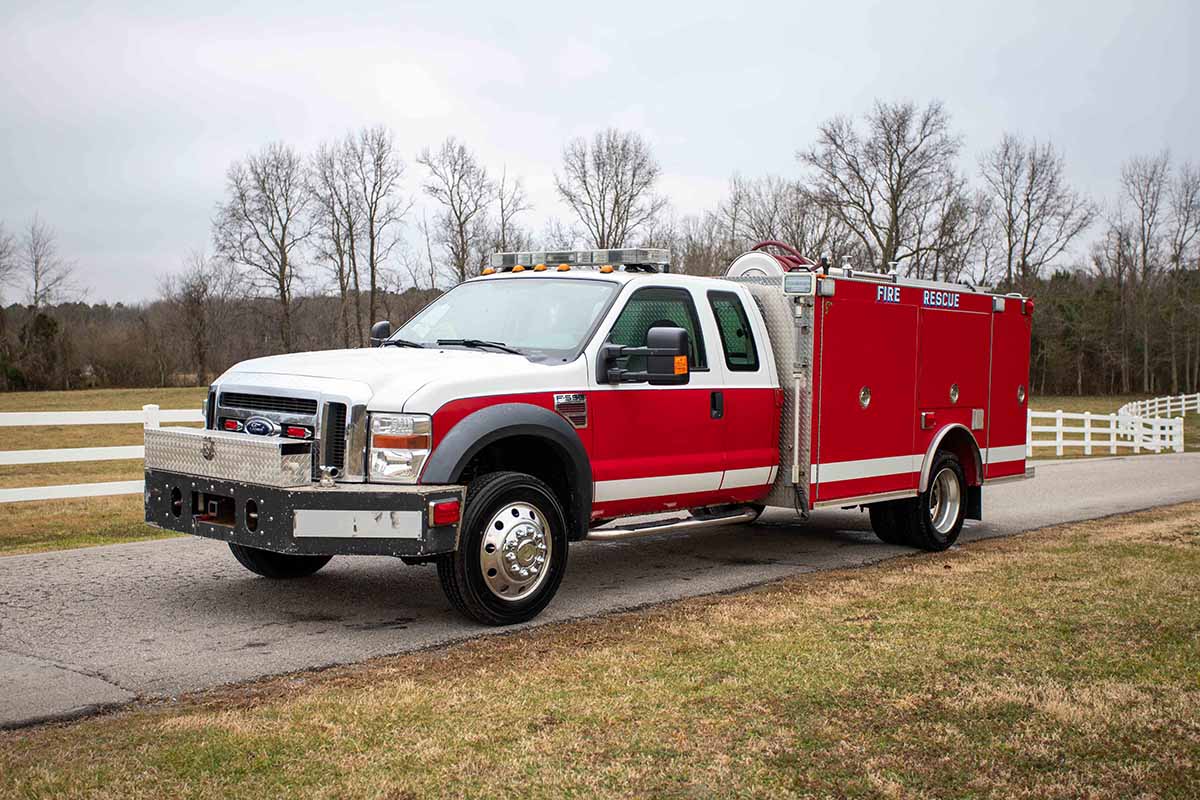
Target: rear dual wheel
{"x":934,"y":519}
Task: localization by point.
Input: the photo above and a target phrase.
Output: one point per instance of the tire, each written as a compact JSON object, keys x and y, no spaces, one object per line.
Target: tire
{"x":887,"y":521}
{"x":934,"y":520}
{"x":279,"y":566}
{"x":511,"y":521}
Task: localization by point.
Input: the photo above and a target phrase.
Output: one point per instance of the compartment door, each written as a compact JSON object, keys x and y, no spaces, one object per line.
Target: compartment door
{"x":1008,"y":404}
{"x":867,"y":397}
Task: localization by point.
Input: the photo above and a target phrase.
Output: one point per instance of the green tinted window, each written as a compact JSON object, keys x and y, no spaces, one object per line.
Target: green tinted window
{"x":737,"y":340}
{"x":656,"y":308}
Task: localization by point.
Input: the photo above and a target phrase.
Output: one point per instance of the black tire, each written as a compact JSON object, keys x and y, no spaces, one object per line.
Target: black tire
{"x":462,"y":572}
{"x":919,"y":525}
{"x":279,"y":566}
{"x":887,"y":522}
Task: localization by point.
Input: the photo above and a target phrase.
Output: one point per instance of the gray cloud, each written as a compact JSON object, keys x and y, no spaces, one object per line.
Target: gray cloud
{"x":117,"y":121}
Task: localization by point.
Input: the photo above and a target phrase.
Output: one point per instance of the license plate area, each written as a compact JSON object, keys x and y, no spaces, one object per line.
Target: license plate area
{"x":215,"y":509}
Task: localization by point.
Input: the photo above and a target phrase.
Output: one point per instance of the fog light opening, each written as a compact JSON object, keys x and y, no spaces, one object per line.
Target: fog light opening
{"x":251,"y":515}
{"x":176,"y":501}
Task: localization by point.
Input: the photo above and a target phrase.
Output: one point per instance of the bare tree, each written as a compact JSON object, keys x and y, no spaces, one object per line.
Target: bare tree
{"x":8,"y":256}
{"x":461,"y":186}
{"x":263,"y":221}
{"x":1144,"y":186}
{"x":1035,"y":212}
{"x":510,"y":201}
{"x":1183,"y":235}
{"x":199,"y":298}
{"x":786,"y":210}
{"x":379,"y":171}
{"x":609,"y":184}
{"x":886,"y":182}
{"x":338,"y":215}
{"x":50,"y":277}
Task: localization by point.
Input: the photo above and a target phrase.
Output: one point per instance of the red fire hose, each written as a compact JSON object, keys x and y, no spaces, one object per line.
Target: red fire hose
{"x":790,"y":259}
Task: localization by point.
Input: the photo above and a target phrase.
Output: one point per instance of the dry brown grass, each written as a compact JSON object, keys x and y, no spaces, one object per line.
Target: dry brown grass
{"x":102,"y":399}
{"x":1055,"y":664}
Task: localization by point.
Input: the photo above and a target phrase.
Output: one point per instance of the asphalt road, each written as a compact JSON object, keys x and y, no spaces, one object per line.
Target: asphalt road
{"x":85,"y":629}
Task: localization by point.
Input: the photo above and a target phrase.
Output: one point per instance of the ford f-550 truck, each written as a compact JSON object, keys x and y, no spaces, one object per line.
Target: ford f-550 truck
{"x":574,"y":395}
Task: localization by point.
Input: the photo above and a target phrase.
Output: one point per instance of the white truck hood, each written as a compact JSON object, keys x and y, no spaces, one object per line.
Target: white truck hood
{"x":390,"y":374}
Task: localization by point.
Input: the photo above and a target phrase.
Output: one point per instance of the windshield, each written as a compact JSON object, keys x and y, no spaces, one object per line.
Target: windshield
{"x":543,"y":317}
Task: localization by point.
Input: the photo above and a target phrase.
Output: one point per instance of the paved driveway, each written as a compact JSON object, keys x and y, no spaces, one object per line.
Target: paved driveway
{"x":86,"y":628}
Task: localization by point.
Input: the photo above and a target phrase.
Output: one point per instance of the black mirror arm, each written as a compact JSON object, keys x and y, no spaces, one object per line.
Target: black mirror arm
{"x":614,"y":374}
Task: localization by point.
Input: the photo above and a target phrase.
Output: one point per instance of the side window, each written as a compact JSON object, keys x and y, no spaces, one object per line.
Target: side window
{"x":737,"y":338}
{"x":654,"y":308}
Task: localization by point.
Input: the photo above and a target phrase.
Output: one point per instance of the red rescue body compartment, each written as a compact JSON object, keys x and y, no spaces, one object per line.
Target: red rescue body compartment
{"x":898,"y":369}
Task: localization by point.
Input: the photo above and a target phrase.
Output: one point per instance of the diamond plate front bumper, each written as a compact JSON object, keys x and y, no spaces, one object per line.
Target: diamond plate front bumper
{"x":258,"y":460}
{"x":258,"y":492}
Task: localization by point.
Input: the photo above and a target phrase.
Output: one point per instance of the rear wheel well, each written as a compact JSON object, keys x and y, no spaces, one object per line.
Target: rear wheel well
{"x":533,"y":455}
{"x":962,"y":444}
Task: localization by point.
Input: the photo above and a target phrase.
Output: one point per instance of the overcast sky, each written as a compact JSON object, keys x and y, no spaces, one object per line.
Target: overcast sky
{"x":118,"y":120}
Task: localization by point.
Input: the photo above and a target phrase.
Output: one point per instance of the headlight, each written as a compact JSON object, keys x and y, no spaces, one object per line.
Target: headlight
{"x":400,"y":443}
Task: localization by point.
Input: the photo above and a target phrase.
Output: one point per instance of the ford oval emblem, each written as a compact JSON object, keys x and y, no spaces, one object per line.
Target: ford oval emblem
{"x":260,"y":426}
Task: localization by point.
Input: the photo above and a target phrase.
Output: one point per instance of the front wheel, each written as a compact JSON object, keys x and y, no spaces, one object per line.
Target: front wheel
{"x":512,"y":550}
{"x":277,"y":565}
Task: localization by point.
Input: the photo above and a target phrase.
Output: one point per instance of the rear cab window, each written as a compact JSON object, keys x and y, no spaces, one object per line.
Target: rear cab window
{"x":737,"y":336}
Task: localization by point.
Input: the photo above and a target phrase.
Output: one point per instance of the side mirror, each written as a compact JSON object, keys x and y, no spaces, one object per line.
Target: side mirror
{"x":380,"y":332}
{"x":666,"y":354}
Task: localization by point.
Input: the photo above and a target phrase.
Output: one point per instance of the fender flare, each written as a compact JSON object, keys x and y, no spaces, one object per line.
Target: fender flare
{"x":931,"y":451}
{"x":491,"y":424}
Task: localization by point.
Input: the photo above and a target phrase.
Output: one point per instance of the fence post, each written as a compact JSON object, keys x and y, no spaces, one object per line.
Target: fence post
{"x":1137,"y":434}
{"x":1058,"y":432}
{"x":1029,"y":433}
{"x":1178,"y":437}
{"x":152,"y":416}
{"x":1087,"y":433}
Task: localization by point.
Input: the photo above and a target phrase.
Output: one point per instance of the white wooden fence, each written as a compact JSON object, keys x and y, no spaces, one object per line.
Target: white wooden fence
{"x":1179,"y":404}
{"x":1137,"y":426}
{"x":150,"y":416}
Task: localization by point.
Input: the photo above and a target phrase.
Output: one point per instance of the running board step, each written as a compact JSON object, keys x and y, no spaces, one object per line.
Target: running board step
{"x":673,"y":525}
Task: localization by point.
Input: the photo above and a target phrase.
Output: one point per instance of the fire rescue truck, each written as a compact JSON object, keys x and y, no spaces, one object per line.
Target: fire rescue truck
{"x":595,"y":395}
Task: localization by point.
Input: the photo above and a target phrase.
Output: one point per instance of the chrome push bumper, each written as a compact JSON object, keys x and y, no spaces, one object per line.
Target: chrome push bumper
{"x":257,"y":491}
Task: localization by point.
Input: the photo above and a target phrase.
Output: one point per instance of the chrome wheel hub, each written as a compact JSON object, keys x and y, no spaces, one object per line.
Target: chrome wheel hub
{"x":515,"y":552}
{"x":945,"y":500}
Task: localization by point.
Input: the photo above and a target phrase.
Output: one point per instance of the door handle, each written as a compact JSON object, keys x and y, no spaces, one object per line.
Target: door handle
{"x":716,"y":405}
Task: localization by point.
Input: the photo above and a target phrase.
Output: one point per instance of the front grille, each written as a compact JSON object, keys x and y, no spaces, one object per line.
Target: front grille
{"x":334,"y":436}
{"x":263,"y":402}
{"x":210,"y":410}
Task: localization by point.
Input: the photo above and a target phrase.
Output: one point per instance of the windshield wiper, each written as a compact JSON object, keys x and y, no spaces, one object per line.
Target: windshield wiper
{"x":479,"y":343}
{"x":401,"y":343}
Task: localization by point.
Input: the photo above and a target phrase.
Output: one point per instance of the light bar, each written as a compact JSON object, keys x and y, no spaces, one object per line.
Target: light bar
{"x":639,"y":256}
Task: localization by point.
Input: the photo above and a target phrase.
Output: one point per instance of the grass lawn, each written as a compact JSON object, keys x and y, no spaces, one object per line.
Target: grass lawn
{"x":1060,"y":663}
{"x":1103,"y":404}
{"x":62,"y":524}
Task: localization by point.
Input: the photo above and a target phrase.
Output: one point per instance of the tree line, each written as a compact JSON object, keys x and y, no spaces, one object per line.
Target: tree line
{"x":307,"y":250}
